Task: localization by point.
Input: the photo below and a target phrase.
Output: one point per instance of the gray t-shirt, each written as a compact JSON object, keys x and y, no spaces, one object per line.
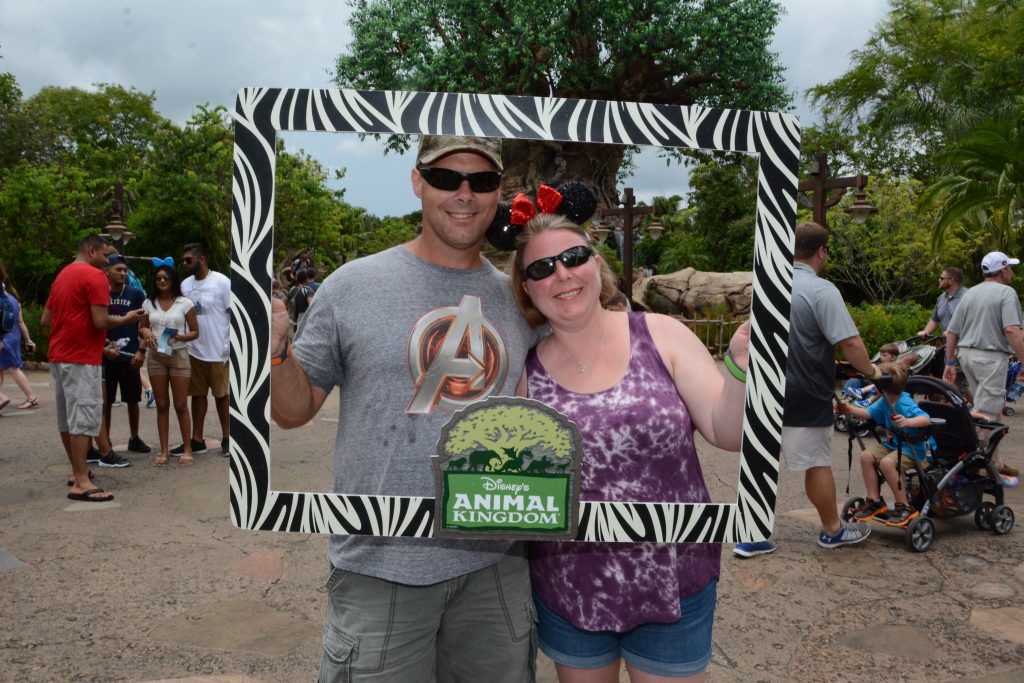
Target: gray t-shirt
{"x":945,"y":307}
{"x":818,"y":320}
{"x":408,"y":343}
{"x":983,"y":315}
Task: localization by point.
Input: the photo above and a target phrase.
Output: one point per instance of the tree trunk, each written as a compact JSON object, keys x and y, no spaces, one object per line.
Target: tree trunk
{"x":530,"y":164}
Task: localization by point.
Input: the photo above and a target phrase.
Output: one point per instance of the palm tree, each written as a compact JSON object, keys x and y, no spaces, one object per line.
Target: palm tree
{"x":986,"y":186}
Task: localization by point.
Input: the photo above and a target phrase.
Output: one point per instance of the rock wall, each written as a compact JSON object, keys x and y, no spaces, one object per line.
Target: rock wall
{"x":696,"y":294}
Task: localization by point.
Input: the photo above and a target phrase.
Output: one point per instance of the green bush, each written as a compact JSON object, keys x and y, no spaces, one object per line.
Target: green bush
{"x":882,"y":323}
{"x":31,"y":312}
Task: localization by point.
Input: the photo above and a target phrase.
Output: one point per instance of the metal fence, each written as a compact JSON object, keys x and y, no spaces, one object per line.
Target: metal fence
{"x":714,"y":332}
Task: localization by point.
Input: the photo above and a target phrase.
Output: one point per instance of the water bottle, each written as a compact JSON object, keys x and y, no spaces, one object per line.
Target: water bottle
{"x":1016,"y":391}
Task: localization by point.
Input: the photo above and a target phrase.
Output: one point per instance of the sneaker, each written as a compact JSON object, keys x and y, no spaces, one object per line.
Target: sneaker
{"x":93,"y":456}
{"x":750,"y":549}
{"x":902,"y":515}
{"x":1009,"y":482}
{"x":225,"y":447}
{"x":150,"y":399}
{"x":116,"y":403}
{"x":137,"y":445}
{"x":197,"y":448}
{"x":849,"y":533}
{"x":112,"y":459}
{"x":855,"y":394}
{"x":1008,"y":471}
{"x":871,"y":509}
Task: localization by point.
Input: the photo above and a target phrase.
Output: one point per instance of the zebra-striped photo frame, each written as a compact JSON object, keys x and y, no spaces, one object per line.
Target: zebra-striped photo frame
{"x":261,"y":112}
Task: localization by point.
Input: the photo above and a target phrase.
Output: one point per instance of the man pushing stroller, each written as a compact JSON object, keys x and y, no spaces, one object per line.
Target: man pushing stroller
{"x":902,"y":418}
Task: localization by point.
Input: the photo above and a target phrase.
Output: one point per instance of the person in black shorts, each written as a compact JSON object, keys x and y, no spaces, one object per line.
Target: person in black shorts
{"x":122,"y":356}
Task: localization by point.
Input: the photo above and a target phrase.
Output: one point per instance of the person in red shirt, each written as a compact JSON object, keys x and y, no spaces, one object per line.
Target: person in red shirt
{"x":76,"y":313}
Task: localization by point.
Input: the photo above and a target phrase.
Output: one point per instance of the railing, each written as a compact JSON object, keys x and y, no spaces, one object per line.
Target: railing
{"x":714,"y":332}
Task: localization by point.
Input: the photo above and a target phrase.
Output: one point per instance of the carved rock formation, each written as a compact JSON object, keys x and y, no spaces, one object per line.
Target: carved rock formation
{"x":695,"y":294}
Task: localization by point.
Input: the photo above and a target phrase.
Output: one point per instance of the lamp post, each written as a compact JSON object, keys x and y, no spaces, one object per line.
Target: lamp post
{"x":821,"y":200}
{"x":629,"y":213}
{"x":116,"y":230}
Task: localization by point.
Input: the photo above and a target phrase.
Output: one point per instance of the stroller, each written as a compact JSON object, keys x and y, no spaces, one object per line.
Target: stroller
{"x":924,"y":355}
{"x":962,"y":473}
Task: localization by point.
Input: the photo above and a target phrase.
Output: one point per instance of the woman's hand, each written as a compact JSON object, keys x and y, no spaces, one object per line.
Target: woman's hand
{"x":739,"y":346}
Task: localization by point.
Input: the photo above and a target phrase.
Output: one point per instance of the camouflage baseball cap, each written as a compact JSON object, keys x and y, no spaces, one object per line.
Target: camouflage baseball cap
{"x":433,"y":147}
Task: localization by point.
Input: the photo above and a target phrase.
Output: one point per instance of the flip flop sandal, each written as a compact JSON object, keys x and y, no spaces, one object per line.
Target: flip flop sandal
{"x":186,"y":460}
{"x":30,"y":403}
{"x":3,"y":404}
{"x":160,"y":462}
{"x":87,"y":496}
{"x":71,"y":482}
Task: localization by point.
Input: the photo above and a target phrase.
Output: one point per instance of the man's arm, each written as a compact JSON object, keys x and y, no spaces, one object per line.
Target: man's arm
{"x":102,"y":319}
{"x":929,"y":328}
{"x":857,"y":355}
{"x":293,"y":400}
{"x":1015,"y":336}
{"x":949,"y":373}
{"x":47,"y":318}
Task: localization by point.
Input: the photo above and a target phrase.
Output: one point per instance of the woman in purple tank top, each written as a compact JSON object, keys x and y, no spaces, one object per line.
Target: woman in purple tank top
{"x":637,"y":386}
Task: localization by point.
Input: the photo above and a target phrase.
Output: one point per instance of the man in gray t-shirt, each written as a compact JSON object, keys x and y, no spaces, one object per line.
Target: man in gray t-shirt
{"x":409,"y":336}
{"x":984,"y":331}
{"x":818,"y":321}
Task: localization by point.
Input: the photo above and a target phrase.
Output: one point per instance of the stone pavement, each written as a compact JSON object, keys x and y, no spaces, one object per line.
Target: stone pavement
{"x":158,"y":585}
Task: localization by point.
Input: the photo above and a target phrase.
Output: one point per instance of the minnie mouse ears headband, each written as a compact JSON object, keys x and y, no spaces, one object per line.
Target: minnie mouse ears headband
{"x":571,"y":199}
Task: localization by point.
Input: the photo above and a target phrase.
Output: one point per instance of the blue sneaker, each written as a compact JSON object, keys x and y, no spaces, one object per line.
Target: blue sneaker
{"x":848,"y":534}
{"x":750,"y":549}
{"x":864,"y":403}
{"x":854,"y":393}
{"x":150,"y":398}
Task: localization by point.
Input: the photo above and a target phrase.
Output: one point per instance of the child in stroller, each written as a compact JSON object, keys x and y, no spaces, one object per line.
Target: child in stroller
{"x":962,"y":473}
{"x":903,"y":420}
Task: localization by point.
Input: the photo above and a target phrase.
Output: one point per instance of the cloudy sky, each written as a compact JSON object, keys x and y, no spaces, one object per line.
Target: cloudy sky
{"x":191,"y":52}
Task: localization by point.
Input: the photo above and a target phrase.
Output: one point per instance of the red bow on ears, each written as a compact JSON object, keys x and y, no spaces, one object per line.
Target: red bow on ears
{"x":548,"y":199}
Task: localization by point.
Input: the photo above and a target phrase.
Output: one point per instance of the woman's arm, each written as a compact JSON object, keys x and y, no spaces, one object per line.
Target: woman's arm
{"x":29,"y":344}
{"x":713,"y":399}
{"x":192,"y":321}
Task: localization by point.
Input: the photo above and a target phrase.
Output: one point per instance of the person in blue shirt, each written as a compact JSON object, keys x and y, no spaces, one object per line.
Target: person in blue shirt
{"x":902,"y":418}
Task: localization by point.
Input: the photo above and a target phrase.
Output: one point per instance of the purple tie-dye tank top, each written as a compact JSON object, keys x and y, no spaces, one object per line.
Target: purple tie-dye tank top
{"x":637,"y":446}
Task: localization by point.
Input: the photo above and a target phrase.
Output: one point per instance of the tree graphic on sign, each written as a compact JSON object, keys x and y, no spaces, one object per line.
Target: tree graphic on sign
{"x":508,"y":438}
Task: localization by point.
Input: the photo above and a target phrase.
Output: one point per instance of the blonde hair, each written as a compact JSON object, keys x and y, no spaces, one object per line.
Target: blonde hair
{"x":898,"y":377}
{"x":543,"y":223}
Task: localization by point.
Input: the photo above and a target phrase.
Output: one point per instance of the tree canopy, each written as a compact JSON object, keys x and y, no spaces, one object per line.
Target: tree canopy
{"x":931,"y":71}
{"x":705,"y":52}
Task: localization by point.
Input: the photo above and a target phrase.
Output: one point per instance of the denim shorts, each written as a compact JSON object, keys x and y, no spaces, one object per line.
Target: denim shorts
{"x":681,"y":648}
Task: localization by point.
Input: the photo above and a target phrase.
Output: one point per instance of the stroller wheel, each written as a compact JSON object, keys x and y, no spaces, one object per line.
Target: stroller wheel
{"x":1002,"y":519}
{"x":841,"y":423}
{"x":983,"y":516}
{"x":850,"y":508}
{"x":920,"y":534}
{"x":1007,"y":411}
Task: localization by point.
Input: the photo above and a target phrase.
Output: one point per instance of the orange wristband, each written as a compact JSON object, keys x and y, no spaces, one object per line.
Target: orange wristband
{"x":277,"y":360}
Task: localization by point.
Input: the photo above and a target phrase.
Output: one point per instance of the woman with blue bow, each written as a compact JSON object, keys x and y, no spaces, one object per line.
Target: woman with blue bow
{"x":170,"y":323}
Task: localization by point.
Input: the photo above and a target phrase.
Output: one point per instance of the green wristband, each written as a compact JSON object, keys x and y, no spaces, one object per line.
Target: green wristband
{"x":734,"y":369}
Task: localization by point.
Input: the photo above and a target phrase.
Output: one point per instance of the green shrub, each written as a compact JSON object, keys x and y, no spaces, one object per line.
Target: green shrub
{"x":882,"y":323}
{"x":31,"y":313}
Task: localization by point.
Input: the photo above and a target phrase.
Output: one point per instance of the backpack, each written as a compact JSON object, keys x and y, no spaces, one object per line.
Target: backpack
{"x":298,"y":302}
{"x":8,"y":314}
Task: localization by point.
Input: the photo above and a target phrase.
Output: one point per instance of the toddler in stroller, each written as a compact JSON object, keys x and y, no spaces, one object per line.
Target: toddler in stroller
{"x":903,"y":419}
{"x":962,"y":473}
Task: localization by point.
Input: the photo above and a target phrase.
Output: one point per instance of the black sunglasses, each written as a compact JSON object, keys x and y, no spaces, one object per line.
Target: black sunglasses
{"x":449,"y":180}
{"x":158,"y":278}
{"x":570,"y":258}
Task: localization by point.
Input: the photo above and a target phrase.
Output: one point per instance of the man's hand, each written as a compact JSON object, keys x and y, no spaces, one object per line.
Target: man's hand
{"x":134,"y":316}
{"x":138,"y":359}
{"x":280,"y":325}
{"x":949,"y":374}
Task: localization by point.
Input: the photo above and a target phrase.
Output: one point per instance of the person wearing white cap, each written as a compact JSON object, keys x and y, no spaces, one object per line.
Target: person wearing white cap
{"x":984,"y":331}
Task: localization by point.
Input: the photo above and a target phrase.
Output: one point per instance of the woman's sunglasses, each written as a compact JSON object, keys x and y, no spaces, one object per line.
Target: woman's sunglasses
{"x":158,"y":278}
{"x":570,"y":258}
{"x":449,"y":180}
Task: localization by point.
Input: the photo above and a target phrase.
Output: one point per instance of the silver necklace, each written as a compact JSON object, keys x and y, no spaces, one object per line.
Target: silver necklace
{"x":581,"y":364}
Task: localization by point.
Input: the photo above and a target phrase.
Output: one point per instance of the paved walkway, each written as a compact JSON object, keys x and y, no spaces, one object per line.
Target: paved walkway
{"x":158,"y":585}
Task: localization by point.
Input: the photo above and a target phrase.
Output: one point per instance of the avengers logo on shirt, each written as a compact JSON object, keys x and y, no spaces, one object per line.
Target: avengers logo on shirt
{"x":456,"y":357}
